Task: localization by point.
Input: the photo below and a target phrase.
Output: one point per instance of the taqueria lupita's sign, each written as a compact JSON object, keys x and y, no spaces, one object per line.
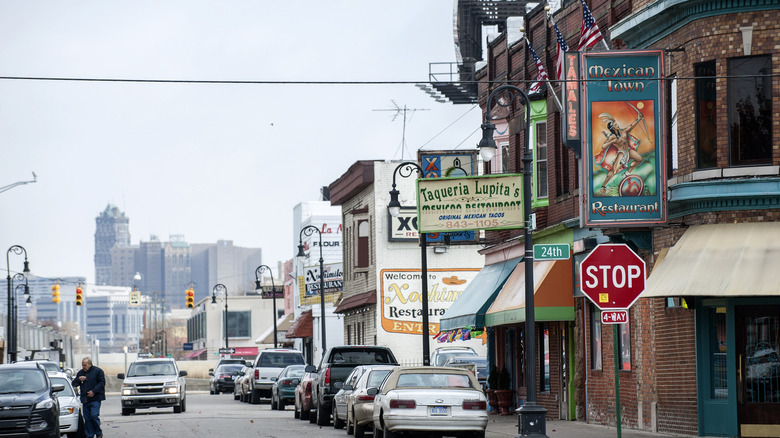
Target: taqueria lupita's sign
{"x":470,"y":203}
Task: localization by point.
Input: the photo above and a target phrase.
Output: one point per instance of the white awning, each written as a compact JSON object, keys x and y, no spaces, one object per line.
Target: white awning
{"x":282,"y":325}
{"x":720,"y":260}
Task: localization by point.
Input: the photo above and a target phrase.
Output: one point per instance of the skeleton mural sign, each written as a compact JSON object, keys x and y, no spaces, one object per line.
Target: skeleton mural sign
{"x":624,"y":156}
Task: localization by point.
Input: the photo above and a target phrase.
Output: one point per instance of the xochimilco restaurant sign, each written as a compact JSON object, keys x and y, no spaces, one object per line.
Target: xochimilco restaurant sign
{"x":470,"y":203}
{"x":624,"y":174}
{"x":402,"y":298}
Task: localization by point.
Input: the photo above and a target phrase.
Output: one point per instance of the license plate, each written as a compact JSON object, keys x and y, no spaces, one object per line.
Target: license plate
{"x":438,"y":410}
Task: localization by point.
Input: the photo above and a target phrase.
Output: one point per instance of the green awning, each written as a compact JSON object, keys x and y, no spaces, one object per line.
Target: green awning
{"x":469,"y":309}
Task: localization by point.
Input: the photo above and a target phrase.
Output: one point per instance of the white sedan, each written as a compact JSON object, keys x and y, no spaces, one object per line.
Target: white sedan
{"x":71,"y":420}
{"x":440,"y":400}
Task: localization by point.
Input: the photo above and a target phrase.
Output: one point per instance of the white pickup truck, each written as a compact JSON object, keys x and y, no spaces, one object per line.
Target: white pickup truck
{"x":153,"y":383}
{"x":267,"y":367}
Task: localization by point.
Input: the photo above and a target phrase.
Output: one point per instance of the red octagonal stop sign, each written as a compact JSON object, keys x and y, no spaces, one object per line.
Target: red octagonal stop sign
{"x":612,"y":276}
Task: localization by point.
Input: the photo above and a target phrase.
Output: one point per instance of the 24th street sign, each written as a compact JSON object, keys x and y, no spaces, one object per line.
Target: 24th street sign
{"x":612,"y":276}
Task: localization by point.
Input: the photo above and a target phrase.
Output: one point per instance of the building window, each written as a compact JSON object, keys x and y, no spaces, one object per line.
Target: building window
{"x":718,"y":343}
{"x":239,"y":324}
{"x":624,"y":347}
{"x":545,"y":359}
{"x":673,"y":146}
{"x":595,"y":338}
{"x":750,"y":110}
{"x":541,"y":159}
{"x":349,"y":335}
{"x":706,"y":112}
{"x":363,"y":232}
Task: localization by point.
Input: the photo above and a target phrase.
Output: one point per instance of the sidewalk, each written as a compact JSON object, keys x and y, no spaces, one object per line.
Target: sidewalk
{"x":506,"y":426}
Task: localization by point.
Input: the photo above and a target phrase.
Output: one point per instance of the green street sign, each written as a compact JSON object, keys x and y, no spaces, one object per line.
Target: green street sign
{"x":551,"y":251}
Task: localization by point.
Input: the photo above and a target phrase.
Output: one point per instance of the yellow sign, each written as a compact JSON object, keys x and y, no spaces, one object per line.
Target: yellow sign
{"x":470,"y":203}
{"x":135,"y":298}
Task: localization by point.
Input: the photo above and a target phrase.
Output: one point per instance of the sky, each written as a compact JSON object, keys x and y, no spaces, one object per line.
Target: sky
{"x":207,"y":161}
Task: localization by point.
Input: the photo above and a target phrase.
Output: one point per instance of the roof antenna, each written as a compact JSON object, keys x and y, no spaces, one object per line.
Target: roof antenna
{"x":398,"y":110}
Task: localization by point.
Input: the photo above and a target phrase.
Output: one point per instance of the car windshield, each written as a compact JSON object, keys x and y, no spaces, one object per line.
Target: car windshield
{"x":375,"y":378}
{"x":296,"y":371}
{"x":68,"y":391}
{"x":443,"y":356}
{"x":360,"y":357}
{"x":229,"y":369}
{"x":151,"y":369}
{"x":13,"y":381}
{"x":274,"y":359}
{"x":433,"y":380}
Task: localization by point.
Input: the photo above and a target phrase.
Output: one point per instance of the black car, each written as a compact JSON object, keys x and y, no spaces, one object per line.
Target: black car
{"x":223,"y":379}
{"x":29,"y":401}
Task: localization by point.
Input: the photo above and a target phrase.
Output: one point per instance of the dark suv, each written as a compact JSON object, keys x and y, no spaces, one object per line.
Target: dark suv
{"x":335,"y":366}
{"x":29,"y":401}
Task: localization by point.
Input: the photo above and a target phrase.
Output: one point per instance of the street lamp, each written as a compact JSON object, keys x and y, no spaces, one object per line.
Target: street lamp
{"x":532,"y":415}
{"x":14,"y":329}
{"x":16,"y":249}
{"x":259,"y":288}
{"x":308,"y":230}
{"x":219,"y":287}
{"x":405,"y":169}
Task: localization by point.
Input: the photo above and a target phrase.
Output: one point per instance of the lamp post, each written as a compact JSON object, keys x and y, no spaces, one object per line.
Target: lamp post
{"x":308,"y":230}
{"x":16,"y":249}
{"x":14,"y":329}
{"x":405,"y":169}
{"x":532,"y":415}
{"x":219,"y":287}
{"x":259,"y":287}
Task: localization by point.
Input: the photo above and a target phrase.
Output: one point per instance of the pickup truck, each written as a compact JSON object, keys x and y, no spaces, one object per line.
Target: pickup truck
{"x":153,"y":383}
{"x":335,"y":366}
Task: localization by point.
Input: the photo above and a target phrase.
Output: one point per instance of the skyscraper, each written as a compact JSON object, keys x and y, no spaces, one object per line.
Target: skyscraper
{"x":112,"y":228}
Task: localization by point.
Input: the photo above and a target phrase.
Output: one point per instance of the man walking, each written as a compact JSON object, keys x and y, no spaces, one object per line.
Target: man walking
{"x":92,"y":384}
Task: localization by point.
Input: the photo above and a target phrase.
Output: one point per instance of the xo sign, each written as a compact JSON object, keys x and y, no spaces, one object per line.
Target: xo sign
{"x":612,"y":276}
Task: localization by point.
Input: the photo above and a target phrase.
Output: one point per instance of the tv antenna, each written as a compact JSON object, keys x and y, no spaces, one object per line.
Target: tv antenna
{"x":398,"y":111}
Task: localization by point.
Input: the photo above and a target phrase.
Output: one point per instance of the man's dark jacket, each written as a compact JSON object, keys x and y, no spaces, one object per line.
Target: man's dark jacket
{"x":96,"y":382}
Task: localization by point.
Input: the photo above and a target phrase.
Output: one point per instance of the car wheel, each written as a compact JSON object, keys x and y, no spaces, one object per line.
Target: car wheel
{"x":323,"y":416}
{"x":236,"y":396}
{"x":312,"y":415}
{"x":337,"y":423}
{"x":304,"y":414}
{"x":359,"y":430}
{"x":280,"y":404}
{"x":296,"y":413}
{"x":184,"y":404}
{"x":273,"y":403}
{"x":177,"y":409}
{"x":128,"y":411}
{"x":378,"y":433}
{"x":254,"y":397}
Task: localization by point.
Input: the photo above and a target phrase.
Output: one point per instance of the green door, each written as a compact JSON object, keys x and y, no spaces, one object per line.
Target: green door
{"x":716,"y":370}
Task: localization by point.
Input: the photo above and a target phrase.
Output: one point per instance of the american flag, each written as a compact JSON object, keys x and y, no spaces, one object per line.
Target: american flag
{"x":542,"y":76}
{"x":562,"y":48}
{"x":590,"y":34}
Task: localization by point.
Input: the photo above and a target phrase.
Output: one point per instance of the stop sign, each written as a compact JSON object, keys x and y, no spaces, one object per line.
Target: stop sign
{"x":612,"y":276}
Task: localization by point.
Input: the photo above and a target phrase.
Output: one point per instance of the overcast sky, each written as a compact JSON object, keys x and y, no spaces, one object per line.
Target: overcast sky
{"x":209,"y":161}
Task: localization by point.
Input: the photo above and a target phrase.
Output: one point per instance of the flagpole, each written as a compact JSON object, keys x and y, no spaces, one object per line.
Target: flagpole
{"x":549,"y":17}
{"x":547,"y":80}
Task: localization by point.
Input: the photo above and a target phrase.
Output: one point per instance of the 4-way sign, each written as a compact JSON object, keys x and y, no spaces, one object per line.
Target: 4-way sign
{"x":612,"y":276}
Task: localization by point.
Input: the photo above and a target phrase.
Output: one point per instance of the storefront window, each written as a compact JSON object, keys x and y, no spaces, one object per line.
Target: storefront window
{"x":595,"y":338}
{"x":624,"y":344}
{"x":545,"y":386}
{"x":719,"y":383}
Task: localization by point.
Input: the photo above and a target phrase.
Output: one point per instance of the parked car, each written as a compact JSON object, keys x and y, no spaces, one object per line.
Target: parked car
{"x":225,"y":361}
{"x":71,"y":418}
{"x":303,"y":396}
{"x":239,"y":383}
{"x":223,"y":378}
{"x":48,"y":365}
{"x":429,"y":400}
{"x":268,"y":365}
{"x":283,"y":389}
{"x":441,"y":354}
{"x":471,"y":362}
{"x":153,"y":383}
{"x":29,"y":401}
{"x":359,"y":405}
{"x":336,"y":364}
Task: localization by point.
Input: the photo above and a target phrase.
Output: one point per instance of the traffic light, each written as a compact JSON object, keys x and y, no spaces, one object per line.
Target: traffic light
{"x":190,"y":297}
{"x":55,"y":293}
{"x":79,"y":296}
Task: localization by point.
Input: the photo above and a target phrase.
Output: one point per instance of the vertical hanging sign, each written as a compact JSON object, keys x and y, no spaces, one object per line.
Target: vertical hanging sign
{"x":572,"y":105}
{"x":623,"y":136}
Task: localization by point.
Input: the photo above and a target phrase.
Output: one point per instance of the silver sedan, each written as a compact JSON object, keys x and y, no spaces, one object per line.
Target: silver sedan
{"x":357,"y":404}
{"x":438,"y":400}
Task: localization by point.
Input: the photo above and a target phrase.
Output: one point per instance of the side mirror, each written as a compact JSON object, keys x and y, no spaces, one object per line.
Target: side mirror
{"x":347,"y":388}
{"x":310,"y":369}
{"x":57,"y":388}
{"x":372,"y":391}
{"x":182,"y":373}
{"x":120,"y":376}
{"x":274,"y":379}
{"x":295,"y":381}
{"x":338,"y":385}
{"x":211,"y":370}
{"x":249,"y":364}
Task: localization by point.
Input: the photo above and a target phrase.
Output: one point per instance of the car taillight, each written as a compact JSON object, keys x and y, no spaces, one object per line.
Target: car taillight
{"x":474,"y":405}
{"x":308,"y":386}
{"x":327,"y":376}
{"x":287,"y":382}
{"x":402,"y":404}
{"x":365,"y":398}
{"x":257,"y":374}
